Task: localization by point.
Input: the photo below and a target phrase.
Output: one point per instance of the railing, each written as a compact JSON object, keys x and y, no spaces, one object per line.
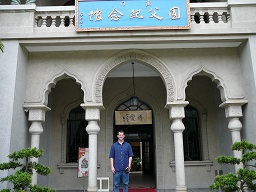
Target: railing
{"x":55,"y":17}
{"x":202,"y":14}
{"x":209,"y":15}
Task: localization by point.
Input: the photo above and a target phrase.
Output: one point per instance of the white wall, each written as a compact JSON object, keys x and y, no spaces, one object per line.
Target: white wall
{"x":20,"y":125}
{"x":222,"y":64}
{"x":45,"y":143}
{"x":13,"y":126}
{"x":247,"y":53}
{"x":66,"y":93}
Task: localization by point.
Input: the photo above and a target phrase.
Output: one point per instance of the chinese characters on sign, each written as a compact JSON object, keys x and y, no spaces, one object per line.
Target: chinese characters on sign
{"x":97,"y":13}
{"x":93,"y":15}
{"x":133,"y":117}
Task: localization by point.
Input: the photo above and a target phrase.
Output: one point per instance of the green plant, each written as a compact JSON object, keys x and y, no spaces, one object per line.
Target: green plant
{"x":18,"y":2}
{"x":244,"y":177}
{"x":22,"y":178}
{"x":1,"y":46}
{"x":136,"y":164}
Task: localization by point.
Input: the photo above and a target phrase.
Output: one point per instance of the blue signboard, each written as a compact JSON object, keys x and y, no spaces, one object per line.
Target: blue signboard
{"x":95,"y":15}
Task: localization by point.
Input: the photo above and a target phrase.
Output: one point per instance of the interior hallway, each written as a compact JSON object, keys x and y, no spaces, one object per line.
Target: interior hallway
{"x":137,"y":180}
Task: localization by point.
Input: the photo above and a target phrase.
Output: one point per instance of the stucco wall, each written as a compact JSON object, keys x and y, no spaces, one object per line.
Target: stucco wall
{"x":248,"y":63}
{"x":66,"y":93}
{"x":13,"y":126}
{"x":216,"y":63}
{"x":54,"y":64}
{"x":20,"y":125}
{"x":205,"y":92}
{"x":151,"y":91}
{"x":45,"y":143}
{"x":200,"y":89}
{"x":220,"y":65}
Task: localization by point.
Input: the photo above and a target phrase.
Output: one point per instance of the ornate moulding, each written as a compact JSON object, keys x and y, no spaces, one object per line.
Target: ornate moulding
{"x":133,"y":55}
{"x":52,"y":81}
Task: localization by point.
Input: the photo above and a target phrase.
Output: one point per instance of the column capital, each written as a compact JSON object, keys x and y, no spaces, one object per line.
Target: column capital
{"x":177,"y":126}
{"x":92,"y":111}
{"x":233,"y":108}
{"x":176,"y":109}
{"x":235,"y":124}
{"x":92,"y":105}
{"x":36,"y":128}
{"x":36,"y":112}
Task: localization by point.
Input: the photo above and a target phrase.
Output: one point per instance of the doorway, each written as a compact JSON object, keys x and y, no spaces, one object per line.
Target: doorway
{"x":139,"y":132}
{"x":141,"y":140}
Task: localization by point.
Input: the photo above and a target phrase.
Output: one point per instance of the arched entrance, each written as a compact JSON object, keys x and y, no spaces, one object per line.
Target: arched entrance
{"x":140,"y":134}
{"x":154,"y":87}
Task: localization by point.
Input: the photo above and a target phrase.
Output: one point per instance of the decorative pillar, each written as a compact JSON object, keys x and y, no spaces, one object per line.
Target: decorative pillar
{"x":36,"y":116}
{"x":233,"y":111}
{"x":177,"y":113}
{"x":92,"y":115}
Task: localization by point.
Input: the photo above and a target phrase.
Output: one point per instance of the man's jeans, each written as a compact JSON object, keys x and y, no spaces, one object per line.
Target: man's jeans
{"x":125,"y":179}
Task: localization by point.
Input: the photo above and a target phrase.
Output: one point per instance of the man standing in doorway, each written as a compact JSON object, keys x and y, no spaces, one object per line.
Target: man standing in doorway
{"x":121,"y":159}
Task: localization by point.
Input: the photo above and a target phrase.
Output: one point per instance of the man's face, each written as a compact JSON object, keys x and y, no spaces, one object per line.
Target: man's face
{"x":120,"y":136}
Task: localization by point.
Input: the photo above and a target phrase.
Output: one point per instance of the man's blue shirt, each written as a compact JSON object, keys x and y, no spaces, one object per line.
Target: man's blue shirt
{"x":121,"y":153}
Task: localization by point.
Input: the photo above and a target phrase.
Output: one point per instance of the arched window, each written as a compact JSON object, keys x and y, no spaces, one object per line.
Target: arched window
{"x":127,"y":106}
{"x":76,"y":133}
{"x":191,"y":135}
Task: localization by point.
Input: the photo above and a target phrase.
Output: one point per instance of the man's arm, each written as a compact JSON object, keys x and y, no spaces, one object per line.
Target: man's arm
{"x":112,"y":165}
{"x":130,"y":163}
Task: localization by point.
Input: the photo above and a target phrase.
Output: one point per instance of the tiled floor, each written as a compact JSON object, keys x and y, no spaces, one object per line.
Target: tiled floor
{"x":148,"y":181}
{"x":137,"y":180}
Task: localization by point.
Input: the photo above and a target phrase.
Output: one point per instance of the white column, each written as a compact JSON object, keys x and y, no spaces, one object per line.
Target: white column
{"x":176,"y":112}
{"x":233,"y":110}
{"x":36,"y":116}
{"x":92,"y":115}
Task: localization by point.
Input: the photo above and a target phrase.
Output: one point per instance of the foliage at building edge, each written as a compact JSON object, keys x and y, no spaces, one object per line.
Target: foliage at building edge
{"x":245,"y":177}
{"x":21,"y":162}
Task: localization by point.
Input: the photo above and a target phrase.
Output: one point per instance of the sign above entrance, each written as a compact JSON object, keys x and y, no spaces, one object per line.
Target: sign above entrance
{"x":100,"y":15}
{"x":133,"y":117}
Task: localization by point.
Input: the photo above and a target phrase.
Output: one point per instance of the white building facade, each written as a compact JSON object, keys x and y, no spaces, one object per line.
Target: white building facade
{"x":201,"y":77}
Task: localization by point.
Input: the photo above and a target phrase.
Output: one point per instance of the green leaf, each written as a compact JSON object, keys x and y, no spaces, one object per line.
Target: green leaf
{"x":15,"y":2}
{"x":1,"y":46}
{"x":228,"y":160}
{"x":249,"y":156}
{"x":243,"y":145}
{"x":30,"y":1}
{"x":20,"y":179}
{"x":26,"y":153}
{"x":10,"y":165}
{"x":226,"y":183}
{"x":36,"y":188}
{"x":41,"y":169}
{"x":5,"y":190}
{"x":244,"y":176}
